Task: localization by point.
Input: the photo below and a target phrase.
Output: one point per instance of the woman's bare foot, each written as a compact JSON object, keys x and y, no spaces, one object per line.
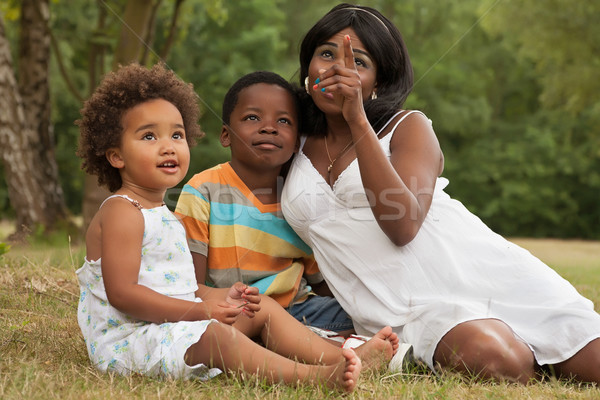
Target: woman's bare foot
{"x":345,"y":375}
{"x":380,"y":349}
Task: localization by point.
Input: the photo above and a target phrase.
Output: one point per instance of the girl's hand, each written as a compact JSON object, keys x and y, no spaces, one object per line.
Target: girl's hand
{"x":220,"y":310}
{"x":245,"y":298}
{"x":342,"y":80}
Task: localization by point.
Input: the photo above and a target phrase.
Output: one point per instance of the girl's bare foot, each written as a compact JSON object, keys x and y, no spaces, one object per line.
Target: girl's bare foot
{"x":380,"y":349}
{"x":345,"y":375}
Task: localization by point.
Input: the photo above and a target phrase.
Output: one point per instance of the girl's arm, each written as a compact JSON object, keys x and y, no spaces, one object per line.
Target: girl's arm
{"x":400,"y":191}
{"x":122,"y":229}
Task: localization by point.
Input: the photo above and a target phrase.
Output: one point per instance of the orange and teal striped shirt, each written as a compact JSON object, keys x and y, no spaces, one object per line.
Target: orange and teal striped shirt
{"x":243,"y":239}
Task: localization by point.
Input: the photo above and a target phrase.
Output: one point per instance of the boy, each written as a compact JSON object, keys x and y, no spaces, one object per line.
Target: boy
{"x":232,"y":215}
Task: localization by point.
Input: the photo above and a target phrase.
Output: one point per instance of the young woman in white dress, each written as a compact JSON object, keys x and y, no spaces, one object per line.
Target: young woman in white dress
{"x":365,"y":193}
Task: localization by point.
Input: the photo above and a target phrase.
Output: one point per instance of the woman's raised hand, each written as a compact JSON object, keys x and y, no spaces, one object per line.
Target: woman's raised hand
{"x":343,"y":82}
{"x":352,"y":101}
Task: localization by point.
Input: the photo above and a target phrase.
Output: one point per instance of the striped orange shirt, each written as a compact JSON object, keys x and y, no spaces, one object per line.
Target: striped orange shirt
{"x":243,"y":239}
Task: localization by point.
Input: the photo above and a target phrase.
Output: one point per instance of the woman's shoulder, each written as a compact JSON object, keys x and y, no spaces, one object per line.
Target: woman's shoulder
{"x":412,"y":132}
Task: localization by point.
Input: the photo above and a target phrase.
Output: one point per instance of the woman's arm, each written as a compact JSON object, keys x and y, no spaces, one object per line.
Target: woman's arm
{"x":400,"y":189}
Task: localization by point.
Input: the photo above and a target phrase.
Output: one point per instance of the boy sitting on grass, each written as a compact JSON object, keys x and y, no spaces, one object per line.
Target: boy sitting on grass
{"x":232,"y":215}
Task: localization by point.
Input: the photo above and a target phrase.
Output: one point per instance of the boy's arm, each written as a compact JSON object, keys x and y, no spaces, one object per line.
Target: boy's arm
{"x":206,"y":292}
{"x":200,"y":262}
{"x":237,"y":295}
{"x":242,"y":296}
{"x":193,"y":212}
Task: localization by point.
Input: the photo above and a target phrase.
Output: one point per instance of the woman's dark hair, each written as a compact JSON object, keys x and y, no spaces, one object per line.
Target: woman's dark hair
{"x":100,"y":125}
{"x":384,"y":43}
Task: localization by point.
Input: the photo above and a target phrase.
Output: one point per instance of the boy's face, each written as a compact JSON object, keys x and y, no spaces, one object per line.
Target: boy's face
{"x":153,"y":153}
{"x":263,"y":128}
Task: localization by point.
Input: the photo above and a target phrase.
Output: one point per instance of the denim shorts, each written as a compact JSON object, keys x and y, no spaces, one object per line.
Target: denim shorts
{"x":322,"y":312}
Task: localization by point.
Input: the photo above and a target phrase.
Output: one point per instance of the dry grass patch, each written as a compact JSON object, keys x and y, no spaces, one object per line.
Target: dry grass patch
{"x":563,"y":253}
{"x":42,"y":354}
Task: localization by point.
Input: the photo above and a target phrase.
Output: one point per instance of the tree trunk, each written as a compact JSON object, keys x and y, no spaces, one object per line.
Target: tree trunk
{"x":18,"y":156}
{"x":137,"y":19}
{"x":33,"y":62}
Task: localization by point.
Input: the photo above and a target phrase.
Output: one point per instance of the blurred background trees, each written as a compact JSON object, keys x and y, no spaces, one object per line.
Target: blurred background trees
{"x":512,"y":89}
{"x":26,"y":134}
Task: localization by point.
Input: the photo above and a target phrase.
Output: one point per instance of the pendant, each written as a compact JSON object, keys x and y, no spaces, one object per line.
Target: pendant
{"x":329,"y":168}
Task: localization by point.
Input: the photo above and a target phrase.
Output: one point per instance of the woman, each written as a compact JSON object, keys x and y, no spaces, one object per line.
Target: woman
{"x":365,"y":193}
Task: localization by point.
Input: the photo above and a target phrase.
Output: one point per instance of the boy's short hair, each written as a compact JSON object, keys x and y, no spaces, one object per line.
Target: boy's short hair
{"x":253,"y":78}
{"x":100,"y":124}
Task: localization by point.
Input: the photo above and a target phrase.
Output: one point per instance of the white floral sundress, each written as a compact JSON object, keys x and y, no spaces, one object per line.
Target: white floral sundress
{"x":119,"y":343}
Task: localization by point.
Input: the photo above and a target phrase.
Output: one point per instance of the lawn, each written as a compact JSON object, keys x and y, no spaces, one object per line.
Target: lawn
{"x":42,"y":355}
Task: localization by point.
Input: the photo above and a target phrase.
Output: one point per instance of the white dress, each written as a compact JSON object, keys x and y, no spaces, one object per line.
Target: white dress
{"x":455,"y":270}
{"x":119,"y":343}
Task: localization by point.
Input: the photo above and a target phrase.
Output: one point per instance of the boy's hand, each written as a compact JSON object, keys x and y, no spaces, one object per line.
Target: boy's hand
{"x":244,"y":297}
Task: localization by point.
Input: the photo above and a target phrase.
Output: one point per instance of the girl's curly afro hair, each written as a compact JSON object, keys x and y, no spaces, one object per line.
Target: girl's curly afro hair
{"x":100,"y":124}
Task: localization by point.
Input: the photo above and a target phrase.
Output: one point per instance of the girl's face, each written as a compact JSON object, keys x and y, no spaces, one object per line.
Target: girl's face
{"x":153,"y":153}
{"x":331,"y":52}
{"x":263,"y":128}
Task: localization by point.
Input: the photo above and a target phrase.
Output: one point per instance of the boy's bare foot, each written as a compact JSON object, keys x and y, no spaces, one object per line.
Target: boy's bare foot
{"x":380,"y":349}
{"x":345,"y":375}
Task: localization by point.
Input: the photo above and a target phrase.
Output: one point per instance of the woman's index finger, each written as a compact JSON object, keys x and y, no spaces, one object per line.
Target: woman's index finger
{"x":348,"y":53}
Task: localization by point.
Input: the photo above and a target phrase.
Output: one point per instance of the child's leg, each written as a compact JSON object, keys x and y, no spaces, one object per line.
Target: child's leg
{"x":283,"y":334}
{"x":225,"y":347}
{"x":379,"y":349}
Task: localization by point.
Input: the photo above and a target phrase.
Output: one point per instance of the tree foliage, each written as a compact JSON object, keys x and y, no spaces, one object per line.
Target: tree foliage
{"x":512,"y":89}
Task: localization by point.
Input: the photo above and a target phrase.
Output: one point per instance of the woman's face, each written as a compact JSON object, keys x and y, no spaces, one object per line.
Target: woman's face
{"x":331,"y":52}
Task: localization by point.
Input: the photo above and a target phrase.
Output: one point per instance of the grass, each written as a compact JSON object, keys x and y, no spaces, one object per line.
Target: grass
{"x":42,"y":354}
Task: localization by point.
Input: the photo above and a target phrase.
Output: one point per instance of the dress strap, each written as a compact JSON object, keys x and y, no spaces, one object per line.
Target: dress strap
{"x":390,"y":120}
{"x":304,"y":137}
{"x":135,"y":203}
{"x":399,"y":121}
{"x":302,"y":141}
